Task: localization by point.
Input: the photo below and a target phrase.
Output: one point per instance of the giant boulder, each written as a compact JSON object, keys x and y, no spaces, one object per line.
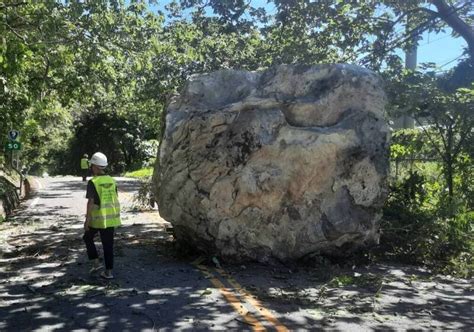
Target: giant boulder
{"x":275,"y":164}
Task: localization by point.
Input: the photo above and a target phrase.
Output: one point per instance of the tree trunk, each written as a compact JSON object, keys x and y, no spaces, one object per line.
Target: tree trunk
{"x":449,"y":171}
{"x":448,"y":14}
{"x":449,"y":179}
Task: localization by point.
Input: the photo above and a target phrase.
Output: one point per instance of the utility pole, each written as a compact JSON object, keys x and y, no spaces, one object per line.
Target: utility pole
{"x":410,"y":63}
{"x":405,"y":121}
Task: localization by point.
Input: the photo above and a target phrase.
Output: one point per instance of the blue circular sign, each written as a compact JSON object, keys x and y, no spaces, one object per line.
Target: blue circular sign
{"x":13,"y":134}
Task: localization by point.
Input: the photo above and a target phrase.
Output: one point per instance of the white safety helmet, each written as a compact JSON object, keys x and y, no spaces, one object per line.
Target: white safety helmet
{"x":99,"y":159}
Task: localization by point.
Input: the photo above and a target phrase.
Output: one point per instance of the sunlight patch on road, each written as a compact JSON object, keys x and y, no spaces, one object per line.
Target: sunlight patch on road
{"x":127,"y":201}
{"x":40,"y":187}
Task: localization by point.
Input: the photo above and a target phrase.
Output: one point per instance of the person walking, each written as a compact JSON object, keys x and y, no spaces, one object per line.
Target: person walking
{"x":84,"y":166}
{"x":102,"y":215}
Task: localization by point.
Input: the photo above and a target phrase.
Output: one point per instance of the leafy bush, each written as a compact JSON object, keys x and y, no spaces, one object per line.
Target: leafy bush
{"x":144,"y":198}
{"x":428,"y":217}
{"x":421,"y":226}
{"x":419,"y":236}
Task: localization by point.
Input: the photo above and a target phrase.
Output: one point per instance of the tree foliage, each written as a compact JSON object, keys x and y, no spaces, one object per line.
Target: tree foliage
{"x":120,"y":138}
{"x":430,"y":212}
{"x":64,"y":57}
{"x":363,"y":32}
{"x":444,"y":118}
{"x":60,"y":58}
{"x":81,"y":76}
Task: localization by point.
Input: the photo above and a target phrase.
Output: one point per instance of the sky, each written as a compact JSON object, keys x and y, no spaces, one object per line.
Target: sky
{"x":441,"y":48}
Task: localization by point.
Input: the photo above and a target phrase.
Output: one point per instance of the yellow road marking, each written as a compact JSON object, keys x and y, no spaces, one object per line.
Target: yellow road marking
{"x":265,"y":313}
{"x":231,"y":298}
{"x":254,"y":302}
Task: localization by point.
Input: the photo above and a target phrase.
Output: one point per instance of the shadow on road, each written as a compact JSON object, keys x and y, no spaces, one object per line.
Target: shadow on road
{"x":45,"y":284}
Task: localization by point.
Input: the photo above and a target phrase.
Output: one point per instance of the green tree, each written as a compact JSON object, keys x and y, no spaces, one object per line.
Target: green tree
{"x":63,"y":57}
{"x":363,"y":32}
{"x":445,"y":120}
{"x":118,"y":137}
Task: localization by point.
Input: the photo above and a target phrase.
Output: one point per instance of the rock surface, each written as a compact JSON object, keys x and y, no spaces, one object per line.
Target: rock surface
{"x":9,"y":198}
{"x":281,"y":163}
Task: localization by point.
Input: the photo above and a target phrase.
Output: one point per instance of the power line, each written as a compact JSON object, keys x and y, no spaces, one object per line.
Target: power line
{"x":447,"y":63}
{"x":434,"y":41}
{"x":439,"y":70}
{"x":398,"y":42}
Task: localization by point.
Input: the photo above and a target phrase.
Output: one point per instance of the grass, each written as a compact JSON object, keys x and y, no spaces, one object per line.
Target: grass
{"x":342,"y":280}
{"x":141,"y":173}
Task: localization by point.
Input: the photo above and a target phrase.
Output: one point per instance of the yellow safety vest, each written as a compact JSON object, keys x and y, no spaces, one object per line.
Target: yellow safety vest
{"x":84,"y":163}
{"x":108,"y":213}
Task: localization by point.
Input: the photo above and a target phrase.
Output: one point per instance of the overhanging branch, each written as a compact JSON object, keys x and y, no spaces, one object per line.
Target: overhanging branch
{"x":16,"y":33}
{"x":449,"y":15}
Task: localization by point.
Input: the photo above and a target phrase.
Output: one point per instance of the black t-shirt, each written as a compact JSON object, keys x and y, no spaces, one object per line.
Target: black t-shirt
{"x":92,"y":192}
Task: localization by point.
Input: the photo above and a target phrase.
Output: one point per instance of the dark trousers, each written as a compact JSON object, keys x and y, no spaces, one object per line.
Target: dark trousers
{"x":85,"y":173}
{"x":107,"y":238}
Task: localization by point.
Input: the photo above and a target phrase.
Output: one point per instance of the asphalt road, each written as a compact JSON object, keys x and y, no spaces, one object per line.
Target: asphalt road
{"x":45,"y":284}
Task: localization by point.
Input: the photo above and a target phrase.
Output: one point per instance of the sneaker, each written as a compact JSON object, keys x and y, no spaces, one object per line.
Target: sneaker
{"x":106,"y":275}
{"x":94,"y":266}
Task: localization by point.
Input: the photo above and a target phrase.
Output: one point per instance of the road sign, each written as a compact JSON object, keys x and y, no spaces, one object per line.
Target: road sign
{"x":13,"y":146}
{"x":13,"y":134}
